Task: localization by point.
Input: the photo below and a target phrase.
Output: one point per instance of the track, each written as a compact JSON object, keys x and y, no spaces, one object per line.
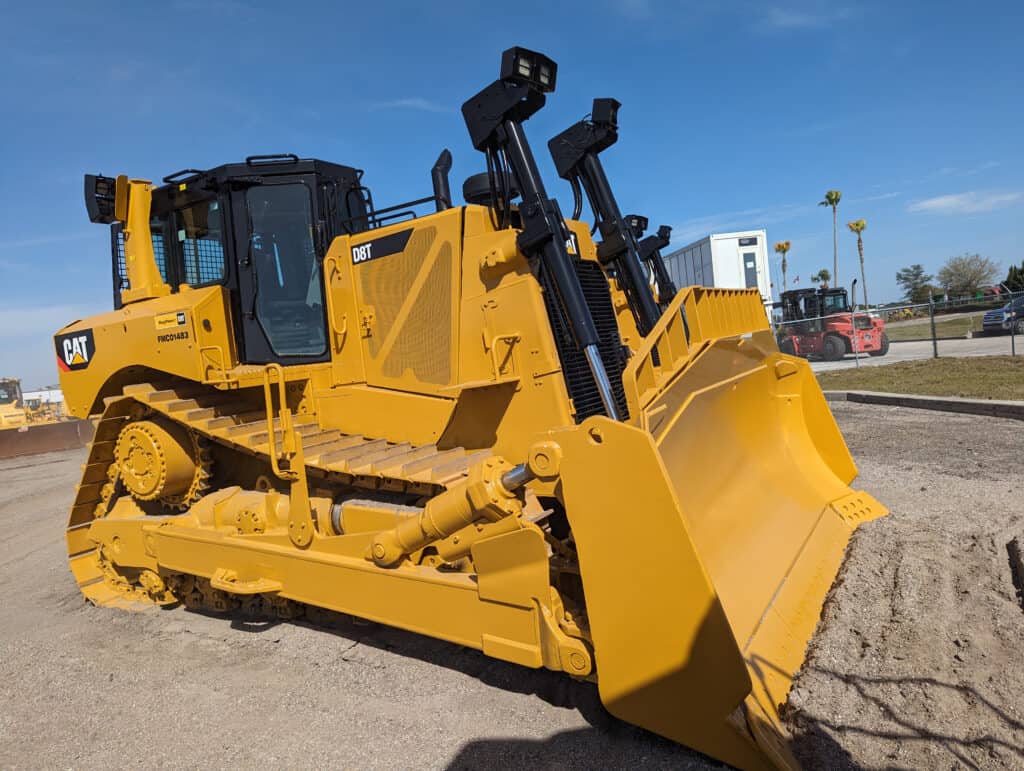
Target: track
{"x":215,"y":417}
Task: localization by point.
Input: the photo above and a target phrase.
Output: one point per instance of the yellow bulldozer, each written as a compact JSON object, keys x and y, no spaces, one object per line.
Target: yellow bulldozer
{"x":477,"y":422}
{"x":35,"y":422}
{"x":12,"y":409}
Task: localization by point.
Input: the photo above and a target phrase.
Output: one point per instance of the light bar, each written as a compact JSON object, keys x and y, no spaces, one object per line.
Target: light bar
{"x":520,"y":65}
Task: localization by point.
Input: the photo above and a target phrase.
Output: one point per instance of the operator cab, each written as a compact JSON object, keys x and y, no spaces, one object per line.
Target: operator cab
{"x":10,"y":392}
{"x":833,"y":301}
{"x":806,"y":304}
{"x":260,"y":229}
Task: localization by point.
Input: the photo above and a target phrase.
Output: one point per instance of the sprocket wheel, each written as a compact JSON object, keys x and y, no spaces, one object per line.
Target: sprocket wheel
{"x":158,"y":460}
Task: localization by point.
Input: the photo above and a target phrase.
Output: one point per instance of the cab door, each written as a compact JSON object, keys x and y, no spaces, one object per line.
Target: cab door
{"x":280,"y":279}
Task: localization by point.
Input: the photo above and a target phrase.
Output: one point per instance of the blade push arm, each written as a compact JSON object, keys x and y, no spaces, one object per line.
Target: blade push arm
{"x":575,"y":153}
{"x":495,"y":119}
{"x":650,"y":254}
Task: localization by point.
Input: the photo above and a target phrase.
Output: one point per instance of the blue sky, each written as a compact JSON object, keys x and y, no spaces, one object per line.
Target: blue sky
{"x":735,"y":114}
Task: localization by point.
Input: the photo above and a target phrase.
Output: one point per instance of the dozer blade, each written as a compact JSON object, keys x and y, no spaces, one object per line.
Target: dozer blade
{"x":44,"y":437}
{"x":708,"y":542}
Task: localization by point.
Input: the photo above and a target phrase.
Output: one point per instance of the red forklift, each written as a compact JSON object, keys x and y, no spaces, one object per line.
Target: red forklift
{"x":820,"y":323}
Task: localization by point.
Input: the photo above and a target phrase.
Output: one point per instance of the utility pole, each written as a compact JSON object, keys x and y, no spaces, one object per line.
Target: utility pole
{"x":853,"y":321}
{"x":931,"y":316}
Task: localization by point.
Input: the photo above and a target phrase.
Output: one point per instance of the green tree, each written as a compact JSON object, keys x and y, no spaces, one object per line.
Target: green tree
{"x":781,"y":248}
{"x":832,"y":198}
{"x":1014,"y":277}
{"x":823,"y":276}
{"x":858,"y":226}
{"x":965,"y":275}
{"x":916,"y":284}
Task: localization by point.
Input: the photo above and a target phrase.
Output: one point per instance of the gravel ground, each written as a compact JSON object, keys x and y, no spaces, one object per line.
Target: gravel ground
{"x":917,"y":662}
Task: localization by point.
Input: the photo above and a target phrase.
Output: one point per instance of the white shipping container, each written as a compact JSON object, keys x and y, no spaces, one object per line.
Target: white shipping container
{"x":724,"y":260}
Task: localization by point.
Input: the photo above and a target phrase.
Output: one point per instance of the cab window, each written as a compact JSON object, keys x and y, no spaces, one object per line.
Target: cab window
{"x":158,"y":229}
{"x":289,"y":291}
{"x":200,"y":236}
{"x":835,"y":303}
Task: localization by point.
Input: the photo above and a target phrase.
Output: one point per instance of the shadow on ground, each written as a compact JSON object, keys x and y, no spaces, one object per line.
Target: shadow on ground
{"x":618,"y":744}
{"x":815,"y":746}
{"x":816,"y":741}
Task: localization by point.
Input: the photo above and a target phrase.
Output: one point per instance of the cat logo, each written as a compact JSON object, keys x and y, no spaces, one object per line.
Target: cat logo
{"x":74,"y":350}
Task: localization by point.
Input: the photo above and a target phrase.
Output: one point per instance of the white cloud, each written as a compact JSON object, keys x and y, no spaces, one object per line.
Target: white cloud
{"x":18,"y":323}
{"x":24,"y":243}
{"x":875,"y":197}
{"x":983,"y":167}
{"x":791,"y":18}
{"x":971,"y":202}
{"x":635,"y":9}
{"x":411,"y":103}
{"x":956,"y":171}
{"x":744,"y":219}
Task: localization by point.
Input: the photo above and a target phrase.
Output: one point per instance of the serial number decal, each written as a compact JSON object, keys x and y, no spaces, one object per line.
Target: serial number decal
{"x":171,"y":337}
{"x":381,"y":247}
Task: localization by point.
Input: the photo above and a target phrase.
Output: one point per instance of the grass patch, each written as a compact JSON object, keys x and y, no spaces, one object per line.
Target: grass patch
{"x":957,"y":327}
{"x":975,"y":377}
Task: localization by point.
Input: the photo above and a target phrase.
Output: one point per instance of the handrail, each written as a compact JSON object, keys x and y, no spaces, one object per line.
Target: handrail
{"x":300,"y":519}
{"x":287,"y":429}
{"x":330,"y":265}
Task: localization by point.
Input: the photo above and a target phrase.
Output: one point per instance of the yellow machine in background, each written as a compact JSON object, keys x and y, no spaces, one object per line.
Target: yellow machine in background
{"x":18,"y":408}
{"x":12,"y":408}
{"x":37,"y":421}
{"x":476,"y":424}
{"x":45,"y":405}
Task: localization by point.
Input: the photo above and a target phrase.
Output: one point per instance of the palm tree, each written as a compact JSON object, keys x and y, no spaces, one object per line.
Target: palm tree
{"x":823,"y":276}
{"x":857,"y":226}
{"x":781,"y":248}
{"x":832,"y":199}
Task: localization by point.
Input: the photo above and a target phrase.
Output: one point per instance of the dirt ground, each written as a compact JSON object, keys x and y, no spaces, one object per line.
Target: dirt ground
{"x":917,"y":663}
{"x":918,"y":660}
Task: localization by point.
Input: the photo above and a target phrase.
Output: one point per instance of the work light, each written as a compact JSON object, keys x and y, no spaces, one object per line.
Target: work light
{"x":520,"y":65}
{"x":605,"y":112}
{"x":637,"y":223}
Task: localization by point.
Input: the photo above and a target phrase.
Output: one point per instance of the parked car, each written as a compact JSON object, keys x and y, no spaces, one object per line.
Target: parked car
{"x":1010,"y":316}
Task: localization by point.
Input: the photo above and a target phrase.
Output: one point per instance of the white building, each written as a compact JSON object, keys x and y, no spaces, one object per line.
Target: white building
{"x":44,"y":396}
{"x":724,"y":260}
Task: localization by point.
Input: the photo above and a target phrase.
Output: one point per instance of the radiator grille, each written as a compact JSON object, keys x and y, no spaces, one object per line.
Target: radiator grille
{"x":423,"y":345}
{"x":386,"y":283}
{"x":578,"y":379}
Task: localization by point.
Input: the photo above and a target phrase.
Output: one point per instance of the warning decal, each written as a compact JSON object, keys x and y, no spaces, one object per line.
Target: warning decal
{"x":74,"y":350}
